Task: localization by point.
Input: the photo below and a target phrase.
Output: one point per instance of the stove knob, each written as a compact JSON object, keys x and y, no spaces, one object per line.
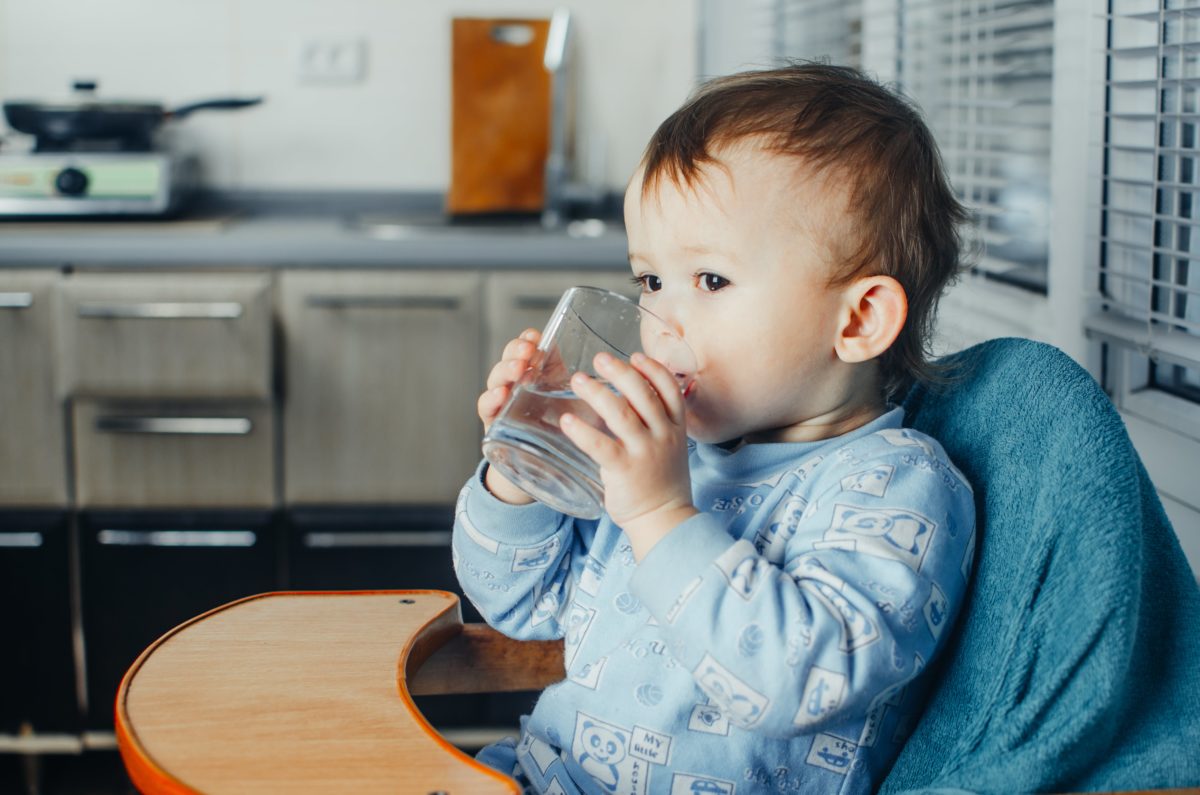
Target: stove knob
{"x":71,"y":182}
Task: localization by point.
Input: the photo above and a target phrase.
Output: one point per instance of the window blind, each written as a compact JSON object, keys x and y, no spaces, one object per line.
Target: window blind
{"x":1147,"y":279}
{"x":818,"y":30}
{"x":982,"y":72}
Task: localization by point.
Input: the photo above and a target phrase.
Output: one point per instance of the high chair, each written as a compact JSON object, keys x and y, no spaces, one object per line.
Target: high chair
{"x":1075,"y":665}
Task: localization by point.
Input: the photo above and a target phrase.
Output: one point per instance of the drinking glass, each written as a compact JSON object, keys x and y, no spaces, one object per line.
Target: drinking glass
{"x":525,"y":442}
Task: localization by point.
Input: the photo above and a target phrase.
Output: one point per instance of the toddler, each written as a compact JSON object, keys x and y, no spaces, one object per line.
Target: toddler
{"x":780,"y":558}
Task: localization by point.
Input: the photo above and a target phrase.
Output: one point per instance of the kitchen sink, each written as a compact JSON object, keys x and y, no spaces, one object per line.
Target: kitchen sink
{"x":406,"y":226}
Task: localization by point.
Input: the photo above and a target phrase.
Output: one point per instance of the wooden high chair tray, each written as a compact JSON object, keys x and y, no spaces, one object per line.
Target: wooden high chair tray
{"x":296,"y":692}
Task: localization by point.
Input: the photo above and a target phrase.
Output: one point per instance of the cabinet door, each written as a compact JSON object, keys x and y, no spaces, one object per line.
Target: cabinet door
{"x":382,"y":376}
{"x":33,"y":468}
{"x":174,"y":455}
{"x":517,"y":300}
{"x":144,"y":573}
{"x":38,"y":663}
{"x":332,"y":549}
{"x":166,"y":335}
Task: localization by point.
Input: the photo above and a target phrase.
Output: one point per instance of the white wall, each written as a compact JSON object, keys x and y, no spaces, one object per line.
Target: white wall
{"x":390,"y":131}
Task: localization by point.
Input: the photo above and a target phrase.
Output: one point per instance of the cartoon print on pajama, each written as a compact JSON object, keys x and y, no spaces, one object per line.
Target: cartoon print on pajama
{"x":771,"y":540}
{"x":684,"y":784}
{"x":618,"y":758}
{"x":550,"y":601}
{"x":871,"y":481}
{"x":886,"y":532}
{"x":741,"y":704}
{"x":707,"y":718}
{"x":744,"y":569}
{"x":600,"y":749}
{"x":823,"y":693}
{"x":579,"y":619}
{"x":935,"y":611}
{"x":532,"y":558}
{"x":903,"y":437}
{"x":832,"y":753}
{"x":589,"y":579}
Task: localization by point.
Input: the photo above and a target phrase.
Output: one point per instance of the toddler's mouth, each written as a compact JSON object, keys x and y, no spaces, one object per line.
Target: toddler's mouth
{"x":689,"y":384}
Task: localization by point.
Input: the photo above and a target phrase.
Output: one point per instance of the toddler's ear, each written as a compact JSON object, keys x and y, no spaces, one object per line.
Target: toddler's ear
{"x":873,"y":313}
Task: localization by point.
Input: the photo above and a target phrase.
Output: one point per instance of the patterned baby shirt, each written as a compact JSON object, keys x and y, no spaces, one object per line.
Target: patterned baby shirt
{"x":772,"y":643}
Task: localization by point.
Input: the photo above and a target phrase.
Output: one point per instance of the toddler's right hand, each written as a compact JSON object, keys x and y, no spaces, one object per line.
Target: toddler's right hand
{"x":514,"y":361}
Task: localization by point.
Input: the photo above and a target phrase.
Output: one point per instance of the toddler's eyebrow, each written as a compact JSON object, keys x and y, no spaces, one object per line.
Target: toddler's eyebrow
{"x":698,"y":249}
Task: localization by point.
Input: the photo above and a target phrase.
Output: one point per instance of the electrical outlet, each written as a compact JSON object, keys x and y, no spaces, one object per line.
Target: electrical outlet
{"x":332,"y":60}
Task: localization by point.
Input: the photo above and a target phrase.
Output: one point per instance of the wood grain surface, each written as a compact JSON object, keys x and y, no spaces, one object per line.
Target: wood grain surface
{"x":500,"y":117}
{"x":297,"y":693}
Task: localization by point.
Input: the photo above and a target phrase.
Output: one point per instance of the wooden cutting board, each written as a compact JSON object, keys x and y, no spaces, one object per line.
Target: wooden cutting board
{"x":500,"y":116}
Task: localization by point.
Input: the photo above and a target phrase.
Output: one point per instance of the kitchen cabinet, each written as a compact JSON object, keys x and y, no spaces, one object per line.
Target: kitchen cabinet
{"x":144,"y":573}
{"x":170,"y":382}
{"x":381,"y":376}
{"x":517,"y":300}
{"x":175,"y":454}
{"x":334,"y":549}
{"x":38,"y":663}
{"x":166,"y":335}
{"x":355,"y":549}
{"x":33,"y":468}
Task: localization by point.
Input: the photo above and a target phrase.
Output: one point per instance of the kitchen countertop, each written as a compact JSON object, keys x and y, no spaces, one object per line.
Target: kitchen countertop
{"x":315,"y":230}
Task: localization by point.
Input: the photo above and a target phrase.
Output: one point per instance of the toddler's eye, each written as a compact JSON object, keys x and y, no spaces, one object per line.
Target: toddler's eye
{"x":711,"y":282}
{"x":648,"y":282}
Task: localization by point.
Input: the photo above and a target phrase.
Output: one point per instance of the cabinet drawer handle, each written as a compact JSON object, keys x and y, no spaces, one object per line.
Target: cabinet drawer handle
{"x":16,"y":300}
{"x":415,"y":538}
{"x":177,"y":538}
{"x":163,"y":310}
{"x":189,"y":426}
{"x":537,"y":302}
{"x":443,"y":302}
{"x":24,"y":540}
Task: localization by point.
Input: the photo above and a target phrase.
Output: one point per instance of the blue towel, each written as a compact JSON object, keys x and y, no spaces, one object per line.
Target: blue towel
{"x":1076,"y":662}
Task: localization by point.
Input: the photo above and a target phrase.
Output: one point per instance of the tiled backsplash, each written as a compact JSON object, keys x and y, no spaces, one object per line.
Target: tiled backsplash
{"x":390,"y":130}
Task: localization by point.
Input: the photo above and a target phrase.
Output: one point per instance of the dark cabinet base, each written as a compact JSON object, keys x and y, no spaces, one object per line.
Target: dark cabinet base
{"x":141,"y":573}
{"x":38,"y":666}
{"x":364,"y":549}
{"x":144,"y":573}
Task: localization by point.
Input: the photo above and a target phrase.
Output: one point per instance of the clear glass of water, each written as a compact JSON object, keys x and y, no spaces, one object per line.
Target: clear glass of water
{"x":525,"y":442}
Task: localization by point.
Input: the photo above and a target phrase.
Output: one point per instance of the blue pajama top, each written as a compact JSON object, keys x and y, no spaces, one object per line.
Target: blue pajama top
{"x":772,"y":643}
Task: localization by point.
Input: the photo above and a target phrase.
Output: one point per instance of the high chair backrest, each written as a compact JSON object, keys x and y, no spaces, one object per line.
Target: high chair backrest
{"x":1076,"y":661}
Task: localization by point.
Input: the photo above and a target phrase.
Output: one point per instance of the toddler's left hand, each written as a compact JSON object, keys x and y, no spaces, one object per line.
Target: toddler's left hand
{"x":647,"y":490}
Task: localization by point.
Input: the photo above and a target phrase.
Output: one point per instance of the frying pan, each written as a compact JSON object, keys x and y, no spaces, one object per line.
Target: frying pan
{"x":62,"y":123}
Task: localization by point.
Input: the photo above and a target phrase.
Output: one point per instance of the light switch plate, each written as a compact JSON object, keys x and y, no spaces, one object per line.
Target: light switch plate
{"x":332,"y":60}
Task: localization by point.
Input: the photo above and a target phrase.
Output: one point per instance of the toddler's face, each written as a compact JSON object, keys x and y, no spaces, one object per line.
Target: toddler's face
{"x":738,"y":263}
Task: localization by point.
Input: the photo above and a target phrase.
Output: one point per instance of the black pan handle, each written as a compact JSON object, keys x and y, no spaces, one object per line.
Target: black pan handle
{"x":232,"y":103}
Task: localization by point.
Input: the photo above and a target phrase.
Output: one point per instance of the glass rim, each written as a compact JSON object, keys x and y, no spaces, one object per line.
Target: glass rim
{"x":614,"y":294}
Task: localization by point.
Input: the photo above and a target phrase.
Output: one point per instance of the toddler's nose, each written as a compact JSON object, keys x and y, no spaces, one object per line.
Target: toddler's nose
{"x":671,"y":316}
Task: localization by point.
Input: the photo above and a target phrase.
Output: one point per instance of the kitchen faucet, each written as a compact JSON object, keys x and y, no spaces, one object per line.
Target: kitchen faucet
{"x":557,"y":61}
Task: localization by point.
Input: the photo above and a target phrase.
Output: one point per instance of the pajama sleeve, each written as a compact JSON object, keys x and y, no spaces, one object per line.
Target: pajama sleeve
{"x":831,"y":608}
{"x":518,"y":564}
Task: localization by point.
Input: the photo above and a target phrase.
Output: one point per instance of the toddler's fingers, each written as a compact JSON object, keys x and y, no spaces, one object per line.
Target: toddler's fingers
{"x":518,"y":349}
{"x":523,"y":346}
{"x":629,"y":413}
{"x":506,"y":372}
{"x":490,"y":403}
{"x":599,"y":446}
{"x":664,"y":383}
